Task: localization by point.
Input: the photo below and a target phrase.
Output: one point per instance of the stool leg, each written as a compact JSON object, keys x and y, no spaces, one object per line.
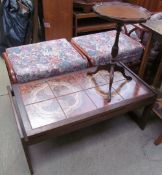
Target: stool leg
{"x":158,"y":140}
{"x":111,"y":81}
{"x":122,"y":71}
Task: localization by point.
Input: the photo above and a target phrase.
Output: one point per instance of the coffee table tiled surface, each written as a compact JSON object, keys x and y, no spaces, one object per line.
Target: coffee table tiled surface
{"x":55,"y":99}
{"x":59,"y":105}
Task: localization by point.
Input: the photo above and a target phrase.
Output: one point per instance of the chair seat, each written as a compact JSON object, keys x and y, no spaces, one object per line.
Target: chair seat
{"x":45,"y":59}
{"x":97,"y":47}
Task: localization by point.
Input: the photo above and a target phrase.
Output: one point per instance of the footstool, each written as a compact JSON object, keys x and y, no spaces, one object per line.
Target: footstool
{"x":42,"y":60}
{"x":97,"y":47}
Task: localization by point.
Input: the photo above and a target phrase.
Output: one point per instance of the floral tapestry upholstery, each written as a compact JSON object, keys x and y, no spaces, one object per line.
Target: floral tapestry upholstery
{"x":97,"y":47}
{"x":45,"y":59}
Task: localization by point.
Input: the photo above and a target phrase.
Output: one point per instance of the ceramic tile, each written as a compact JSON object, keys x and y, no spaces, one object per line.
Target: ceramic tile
{"x":129,"y":89}
{"x":44,"y":113}
{"x":99,"y":96}
{"x":76,"y":104}
{"x":64,"y":85}
{"x":87,"y":81}
{"x":117,"y":76}
{"x":34,"y":92}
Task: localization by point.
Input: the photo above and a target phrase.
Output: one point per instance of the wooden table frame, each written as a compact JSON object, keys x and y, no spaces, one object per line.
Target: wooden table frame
{"x":76,"y":123}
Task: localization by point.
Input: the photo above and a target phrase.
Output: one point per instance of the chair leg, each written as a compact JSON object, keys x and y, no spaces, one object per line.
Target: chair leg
{"x":158,"y":140}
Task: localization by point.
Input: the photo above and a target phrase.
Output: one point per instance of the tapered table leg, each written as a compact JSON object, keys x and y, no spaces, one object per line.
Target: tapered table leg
{"x":28,"y":158}
{"x":141,"y":120}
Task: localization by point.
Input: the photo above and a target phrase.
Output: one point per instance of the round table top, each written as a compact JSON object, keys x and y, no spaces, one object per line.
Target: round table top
{"x":122,"y":12}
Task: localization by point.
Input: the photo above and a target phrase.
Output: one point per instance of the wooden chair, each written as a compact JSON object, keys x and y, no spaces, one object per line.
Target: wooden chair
{"x":158,"y":111}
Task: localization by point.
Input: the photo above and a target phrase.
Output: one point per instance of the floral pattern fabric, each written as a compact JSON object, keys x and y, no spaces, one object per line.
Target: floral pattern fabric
{"x":98,"y":47}
{"x":45,"y":59}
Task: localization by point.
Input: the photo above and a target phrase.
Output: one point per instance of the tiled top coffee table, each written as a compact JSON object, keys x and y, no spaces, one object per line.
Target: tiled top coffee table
{"x":59,"y":105}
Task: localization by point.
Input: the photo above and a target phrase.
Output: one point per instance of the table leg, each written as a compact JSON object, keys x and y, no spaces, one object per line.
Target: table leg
{"x":141,"y":121}
{"x":28,"y":158}
{"x":145,"y":116}
{"x":145,"y":56}
{"x":158,"y":75}
{"x":158,"y":140}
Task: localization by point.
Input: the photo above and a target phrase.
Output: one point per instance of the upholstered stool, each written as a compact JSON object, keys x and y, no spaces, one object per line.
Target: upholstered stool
{"x":41,"y":60}
{"x":97,"y":47}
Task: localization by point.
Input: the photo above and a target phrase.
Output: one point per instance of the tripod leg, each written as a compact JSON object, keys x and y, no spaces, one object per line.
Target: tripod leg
{"x":122,"y":70}
{"x":111,"y":81}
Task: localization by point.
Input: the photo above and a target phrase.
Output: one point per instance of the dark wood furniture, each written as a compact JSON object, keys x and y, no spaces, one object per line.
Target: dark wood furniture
{"x":121,"y":13}
{"x":59,"y":105}
{"x":90,"y":22}
{"x":152,"y":5}
{"x":86,"y":5}
{"x":155,"y":29}
{"x":35,"y":36}
{"x":158,"y":111}
{"x":58,"y":19}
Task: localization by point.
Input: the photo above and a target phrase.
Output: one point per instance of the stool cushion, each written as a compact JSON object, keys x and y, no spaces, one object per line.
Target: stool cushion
{"x":45,"y":59}
{"x":97,"y":47}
